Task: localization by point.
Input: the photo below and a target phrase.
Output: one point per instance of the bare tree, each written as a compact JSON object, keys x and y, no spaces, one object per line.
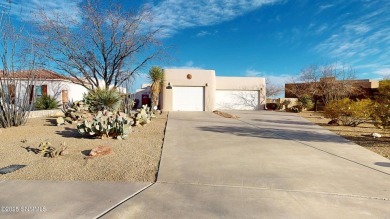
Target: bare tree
{"x":325,"y":83}
{"x":108,"y":44}
{"x":272,"y":89}
{"x":18,"y":62}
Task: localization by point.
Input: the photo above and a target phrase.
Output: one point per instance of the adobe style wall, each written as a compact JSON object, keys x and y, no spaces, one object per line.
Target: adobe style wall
{"x":188,"y":78}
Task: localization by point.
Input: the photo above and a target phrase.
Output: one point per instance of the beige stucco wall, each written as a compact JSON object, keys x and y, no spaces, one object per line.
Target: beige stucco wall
{"x":211,"y":83}
{"x":240,"y":83}
{"x":244,"y":83}
{"x":178,"y":78}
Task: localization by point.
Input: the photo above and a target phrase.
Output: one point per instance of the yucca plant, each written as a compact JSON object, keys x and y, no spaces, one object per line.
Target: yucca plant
{"x":101,"y":99}
{"x":46,"y":102}
{"x":156,"y":76}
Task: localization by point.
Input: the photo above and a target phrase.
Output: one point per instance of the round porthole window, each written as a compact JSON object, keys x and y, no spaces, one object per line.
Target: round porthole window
{"x":189,"y":76}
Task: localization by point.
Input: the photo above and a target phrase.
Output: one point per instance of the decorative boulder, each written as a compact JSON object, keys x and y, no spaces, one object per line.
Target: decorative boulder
{"x":376,"y":135}
{"x":60,"y":121}
{"x":100,"y":150}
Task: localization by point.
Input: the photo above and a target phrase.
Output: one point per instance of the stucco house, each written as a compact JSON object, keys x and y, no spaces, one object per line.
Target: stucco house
{"x":47,"y":82}
{"x":202,"y":90}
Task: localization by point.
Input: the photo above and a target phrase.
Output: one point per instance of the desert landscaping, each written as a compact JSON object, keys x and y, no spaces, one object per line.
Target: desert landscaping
{"x":360,"y":135}
{"x":135,"y":159}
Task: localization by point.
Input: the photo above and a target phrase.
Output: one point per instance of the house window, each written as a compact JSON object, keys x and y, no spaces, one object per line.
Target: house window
{"x":37,"y":91}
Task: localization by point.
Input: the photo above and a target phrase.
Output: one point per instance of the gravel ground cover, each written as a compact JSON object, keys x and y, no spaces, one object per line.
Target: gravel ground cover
{"x":360,"y":134}
{"x":135,"y":159}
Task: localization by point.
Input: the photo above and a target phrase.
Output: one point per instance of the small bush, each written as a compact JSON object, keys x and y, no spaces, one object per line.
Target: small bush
{"x":295,"y":109}
{"x":272,"y":106}
{"x":103,"y":99}
{"x":46,"y":102}
{"x":349,"y":112}
{"x":285,"y":103}
{"x":381,"y":115}
{"x":305,"y":102}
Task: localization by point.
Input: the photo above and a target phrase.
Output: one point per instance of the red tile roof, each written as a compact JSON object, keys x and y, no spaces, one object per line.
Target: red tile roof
{"x":39,"y":74}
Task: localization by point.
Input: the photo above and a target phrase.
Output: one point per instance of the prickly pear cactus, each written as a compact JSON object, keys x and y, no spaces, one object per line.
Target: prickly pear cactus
{"x":106,"y":124}
{"x":143,"y":116}
{"x":76,"y":112}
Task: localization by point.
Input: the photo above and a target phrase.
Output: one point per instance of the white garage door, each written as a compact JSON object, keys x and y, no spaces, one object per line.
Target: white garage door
{"x":188,"y":98}
{"x":237,"y":100}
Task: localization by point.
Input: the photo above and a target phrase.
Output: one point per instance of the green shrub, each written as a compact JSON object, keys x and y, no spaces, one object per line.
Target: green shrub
{"x":381,"y":114}
{"x":103,"y":99}
{"x":306,"y":102}
{"x":381,"y":108}
{"x":46,"y":102}
{"x":285,"y":103}
{"x":349,"y":112}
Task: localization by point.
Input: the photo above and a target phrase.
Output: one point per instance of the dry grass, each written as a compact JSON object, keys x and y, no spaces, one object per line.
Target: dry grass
{"x":134,"y":159}
{"x":360,"y":134}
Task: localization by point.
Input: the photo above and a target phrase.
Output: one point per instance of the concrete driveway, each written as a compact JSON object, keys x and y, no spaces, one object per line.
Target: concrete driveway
{"x":263,"y":165}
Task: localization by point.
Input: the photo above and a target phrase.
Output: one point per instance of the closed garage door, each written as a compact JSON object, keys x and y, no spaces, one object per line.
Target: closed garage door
{"x":188,"y":98}
{"x":237,"y":100}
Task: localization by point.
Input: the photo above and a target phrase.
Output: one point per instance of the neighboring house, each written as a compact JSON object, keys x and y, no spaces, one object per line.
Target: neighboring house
{"x":143,"y":95}
{"x":202,"y":90}
{"x":47,"y":82}
{"x":361,"y":89}
{"x":365,"y":88}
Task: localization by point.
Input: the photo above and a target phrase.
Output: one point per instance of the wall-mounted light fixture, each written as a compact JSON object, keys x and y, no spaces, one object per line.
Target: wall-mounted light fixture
{"x":169,"y":86}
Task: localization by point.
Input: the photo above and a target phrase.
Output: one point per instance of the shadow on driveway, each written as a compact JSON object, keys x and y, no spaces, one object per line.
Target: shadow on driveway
{"x":383,"y":164}
{"x":284,"y":122}
{"x":274,"y":133}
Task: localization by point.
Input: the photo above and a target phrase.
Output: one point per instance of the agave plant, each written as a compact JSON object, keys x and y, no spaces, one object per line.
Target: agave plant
{"x":46,"y":102}
{"x":101,"y":99}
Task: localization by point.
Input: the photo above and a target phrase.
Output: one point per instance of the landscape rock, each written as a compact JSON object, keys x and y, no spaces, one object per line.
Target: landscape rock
{"x":333,"y":122}
{"x":100,"y":150}
{"x":376,"y":135}
{"x":64,"y":152}
{"x":60,"y":121}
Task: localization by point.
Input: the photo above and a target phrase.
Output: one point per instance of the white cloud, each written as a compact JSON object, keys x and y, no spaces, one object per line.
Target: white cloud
{"x":321,"y":29}
{"x":274,"y":79}
{"x":187,"y":65}
{"x":324,"y":7}
{"x":357,"y":28}
{"x":385,"y":72}
{"x":253,"y":73}
{"x":174,"y":15}
{"x":203,"y":33}
{"x":356,"y":40}
{"x":28,"y":10}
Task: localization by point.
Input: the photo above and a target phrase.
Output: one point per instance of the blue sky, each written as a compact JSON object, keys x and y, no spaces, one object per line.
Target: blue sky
{"x":271,"y":38}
